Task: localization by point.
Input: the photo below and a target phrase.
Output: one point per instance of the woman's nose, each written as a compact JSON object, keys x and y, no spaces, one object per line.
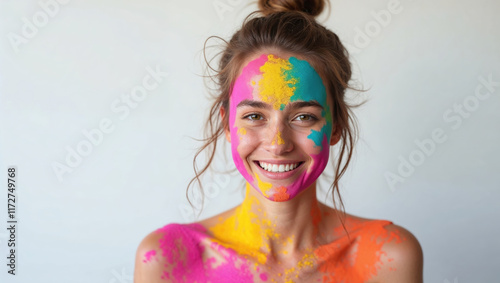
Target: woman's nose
{"x":278,"y":140}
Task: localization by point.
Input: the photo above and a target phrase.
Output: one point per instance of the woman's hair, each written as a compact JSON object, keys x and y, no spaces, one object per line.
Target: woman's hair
{"x":288,"y":26}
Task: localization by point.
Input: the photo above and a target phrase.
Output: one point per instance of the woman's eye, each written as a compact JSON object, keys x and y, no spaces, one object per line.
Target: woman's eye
{"x":305,"y":117}
{"x":254,"y":117}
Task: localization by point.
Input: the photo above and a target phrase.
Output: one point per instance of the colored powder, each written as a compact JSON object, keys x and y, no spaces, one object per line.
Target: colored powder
{"x":281,"y":194}
{"x":339,"y":262}
{"x":310,"y":87}
{"x":242,"y":90}
{"x":244,"y":231}
{"x":278,"y":139}
{"x":325,"y":130}
{"x":242,"y":131}
{"x":263,"y":186}
{"x":316,"y":137}
{"x":234,"y":268}
{"x":165,"y":275}
{"x":274,"y":87}
{"x":182,"y":250}
{"x":307,"y":260}
{"x":148,"y":255}
{"x":263,"y":277}
{"x":281,"y":81}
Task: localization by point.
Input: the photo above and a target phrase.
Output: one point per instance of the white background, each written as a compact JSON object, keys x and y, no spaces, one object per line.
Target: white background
{"x":64,"y":77}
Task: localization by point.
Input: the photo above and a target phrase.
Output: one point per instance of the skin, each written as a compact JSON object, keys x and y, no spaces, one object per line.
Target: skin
{"x":279,"y":235}
{"x":280,"y":112}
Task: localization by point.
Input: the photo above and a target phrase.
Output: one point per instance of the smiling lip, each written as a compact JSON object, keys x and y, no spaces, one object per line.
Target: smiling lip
{"x":279,"y":175}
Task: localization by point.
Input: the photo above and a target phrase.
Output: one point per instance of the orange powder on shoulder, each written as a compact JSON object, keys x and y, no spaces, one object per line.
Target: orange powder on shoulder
{"x":342,"y":265}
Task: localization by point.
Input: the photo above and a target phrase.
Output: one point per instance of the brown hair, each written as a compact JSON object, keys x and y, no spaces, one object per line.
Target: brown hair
{"x":286,"y":26}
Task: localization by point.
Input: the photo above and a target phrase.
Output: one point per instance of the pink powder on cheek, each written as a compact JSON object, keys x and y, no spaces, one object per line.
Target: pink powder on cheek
{"x":242,"y":90}
{"x":148,"y":255}
{"x":308,"y":177}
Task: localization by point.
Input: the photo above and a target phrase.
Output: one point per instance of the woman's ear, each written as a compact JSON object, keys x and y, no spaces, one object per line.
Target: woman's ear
{"x":226,"y":127}
{"x":337,"y":132}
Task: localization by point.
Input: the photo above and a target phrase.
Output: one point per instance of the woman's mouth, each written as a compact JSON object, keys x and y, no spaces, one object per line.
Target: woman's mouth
{"x":278,"y":168}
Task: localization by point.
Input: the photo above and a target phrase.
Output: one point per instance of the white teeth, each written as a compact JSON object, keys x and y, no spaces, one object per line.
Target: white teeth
{"x":278,"y":168}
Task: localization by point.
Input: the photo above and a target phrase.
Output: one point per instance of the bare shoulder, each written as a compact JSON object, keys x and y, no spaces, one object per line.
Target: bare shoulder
{"x":393,"y":252}
{"x":159,"y":252}
{"x":147,"y":263}
{"x":216,"y":219}
{"x":403,"y":257}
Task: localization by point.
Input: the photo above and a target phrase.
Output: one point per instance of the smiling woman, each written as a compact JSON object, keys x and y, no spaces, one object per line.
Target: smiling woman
{"x":281,"y":106}
{"x":293,"y":128}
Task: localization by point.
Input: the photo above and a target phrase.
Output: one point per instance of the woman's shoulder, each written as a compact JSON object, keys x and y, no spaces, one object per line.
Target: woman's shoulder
{"x":392,"y":237}
{"x":174,"y":232}
{"x":397,"y":251}
{"x":161,"y":251}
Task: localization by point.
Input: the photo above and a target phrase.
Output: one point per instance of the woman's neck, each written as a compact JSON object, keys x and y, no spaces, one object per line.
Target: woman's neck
{"x":265,"y":229}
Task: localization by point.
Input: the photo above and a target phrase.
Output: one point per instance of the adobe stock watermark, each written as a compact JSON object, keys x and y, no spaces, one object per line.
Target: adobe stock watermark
{"x":122,"y":107}
{"x":454,"y":116}
{"x":364,"y":36}
{"x":121,"y":277}
{"x":30,"y":27}
{"x":448,"y":281}
{"x":211,"y":190}
{"x":223,"y":6}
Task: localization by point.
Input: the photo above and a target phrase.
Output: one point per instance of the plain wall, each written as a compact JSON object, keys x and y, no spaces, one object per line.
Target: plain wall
{"x":69,"y":68}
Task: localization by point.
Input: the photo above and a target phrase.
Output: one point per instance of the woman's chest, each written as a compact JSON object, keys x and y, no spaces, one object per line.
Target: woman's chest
{"x":335,"y":264}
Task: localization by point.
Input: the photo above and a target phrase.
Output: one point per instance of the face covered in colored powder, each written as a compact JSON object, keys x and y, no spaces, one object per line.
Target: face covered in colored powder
{"x":280,"y":125}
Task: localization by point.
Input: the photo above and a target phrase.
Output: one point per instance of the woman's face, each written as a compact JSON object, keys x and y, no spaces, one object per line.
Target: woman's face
{"x":280,"y":125}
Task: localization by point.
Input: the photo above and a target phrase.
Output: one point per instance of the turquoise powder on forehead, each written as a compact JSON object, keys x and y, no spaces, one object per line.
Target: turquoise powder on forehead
{"x":309,"y":86}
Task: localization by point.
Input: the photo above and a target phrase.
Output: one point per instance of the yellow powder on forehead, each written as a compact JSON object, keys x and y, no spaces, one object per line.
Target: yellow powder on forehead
{"x":274,"y":88}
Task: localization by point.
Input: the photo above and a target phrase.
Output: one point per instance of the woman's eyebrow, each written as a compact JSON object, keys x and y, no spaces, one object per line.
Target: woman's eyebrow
{"x":254,"y":103}
{"x":292,"y":106}
{"x":299,"y":104}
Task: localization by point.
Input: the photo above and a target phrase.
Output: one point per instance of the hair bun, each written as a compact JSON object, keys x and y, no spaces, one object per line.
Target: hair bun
{"x":310,"y":7}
